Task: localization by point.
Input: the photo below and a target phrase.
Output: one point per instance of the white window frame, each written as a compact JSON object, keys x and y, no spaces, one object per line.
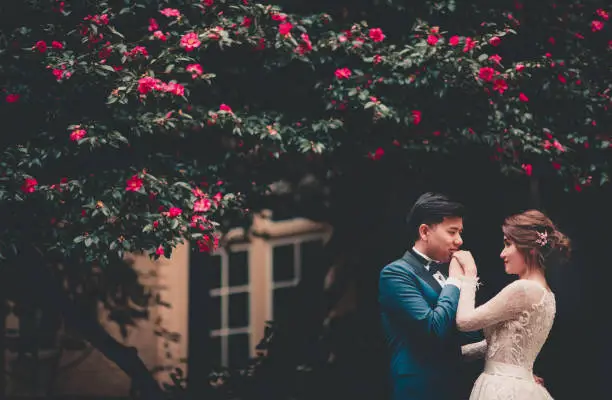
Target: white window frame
{"x":297,"y":241}
{"x":224,"y":291}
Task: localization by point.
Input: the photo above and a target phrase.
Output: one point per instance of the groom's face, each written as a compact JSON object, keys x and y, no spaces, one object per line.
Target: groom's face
{"x":444,"y":239}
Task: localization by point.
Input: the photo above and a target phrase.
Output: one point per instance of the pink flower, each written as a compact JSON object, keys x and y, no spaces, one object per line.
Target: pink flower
{"x":195,"y":69}
{"x":208,"y":3}
{"x":558,"y":146}
{"x":159,"y":251}
{"x":29,"y":185}
{"x":41,"y":46}
{"x":495,"y":41}
{"x":523,"y":98}
{"x":160,"y":35}
{"x":170,"y":12}
{"x":454,"y":40}
{"x":12,"y":98}
{"x":377,"y":35}
{"x":343,"y":73}
{"x":603,"y":14}
{"x":596,"y":26}
{"x":377,"y":59}
{"x":57,"y":45}
{"x":147,"y":84}
{"x":204,"y":244}
{"x":202,"y":205}
{"x":305,"y":47}
{"x":519,"y":67}
{"x":133,"y":184}
{"x":562,"y":78}
{"x":174,"y":212}
{"x":285,"y":28}
{"x":495,"y":58}
{"x":174,"y":88}
{"x":190,"y":41}
{"x":486,"y":73}
{"x":226,"y":108}
{"x":432,"y":40}
{"x":378,"y":154}
{"x":78,"y":134}
{"x":416,"y":117}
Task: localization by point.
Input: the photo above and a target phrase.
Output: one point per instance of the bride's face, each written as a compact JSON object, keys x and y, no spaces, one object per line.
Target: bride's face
{"x":513,"y":259}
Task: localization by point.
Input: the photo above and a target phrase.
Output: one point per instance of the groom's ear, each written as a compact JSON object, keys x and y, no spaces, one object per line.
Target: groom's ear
{"x":423,"y":231}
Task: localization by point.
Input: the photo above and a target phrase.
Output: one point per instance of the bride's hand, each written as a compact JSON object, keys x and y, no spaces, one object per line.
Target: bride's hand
{"x":454,"y":269}
{"x":466,"y":260}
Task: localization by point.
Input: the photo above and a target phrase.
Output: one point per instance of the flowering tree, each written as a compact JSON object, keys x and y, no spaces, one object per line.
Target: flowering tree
{"x":134,"y":125}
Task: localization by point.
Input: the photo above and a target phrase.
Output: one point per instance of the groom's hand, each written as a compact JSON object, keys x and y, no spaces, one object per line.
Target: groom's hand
{"x":467,"y":262}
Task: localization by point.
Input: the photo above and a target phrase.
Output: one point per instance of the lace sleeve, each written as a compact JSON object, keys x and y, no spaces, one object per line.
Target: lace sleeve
{"x":474,"y":351}
{"x":506,"y":305}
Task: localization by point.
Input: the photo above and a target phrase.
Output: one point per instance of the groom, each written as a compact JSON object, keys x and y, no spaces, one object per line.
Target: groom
{"x":418,"y":305}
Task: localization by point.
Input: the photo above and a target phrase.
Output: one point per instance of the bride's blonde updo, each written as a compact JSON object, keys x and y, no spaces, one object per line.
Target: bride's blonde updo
{"x":537,"y":238}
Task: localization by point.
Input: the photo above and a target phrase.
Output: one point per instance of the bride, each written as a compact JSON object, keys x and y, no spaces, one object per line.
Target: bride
{"x":517,"y":320}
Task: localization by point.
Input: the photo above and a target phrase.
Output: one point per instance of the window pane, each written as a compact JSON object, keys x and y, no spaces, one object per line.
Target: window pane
{"x":215,"y":272}
{"x":283,"y":302}
{"x":311,"y":255}
{"x":215,"y":350}
{"x":239,"y":268}
{"x":239,"y":310}
{"x":238,"y":347}
{"x":215,"y":312}
{"x":283,"y":263}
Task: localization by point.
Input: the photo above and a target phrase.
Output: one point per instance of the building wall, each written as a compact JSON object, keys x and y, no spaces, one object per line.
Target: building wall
{"x":251,"y":275}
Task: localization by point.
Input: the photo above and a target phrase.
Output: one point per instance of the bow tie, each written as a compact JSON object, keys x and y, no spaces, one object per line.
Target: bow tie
{"x":433,"y":266}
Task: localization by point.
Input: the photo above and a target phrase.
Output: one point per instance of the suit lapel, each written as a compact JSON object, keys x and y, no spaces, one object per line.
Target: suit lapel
{"x":419,"y":269}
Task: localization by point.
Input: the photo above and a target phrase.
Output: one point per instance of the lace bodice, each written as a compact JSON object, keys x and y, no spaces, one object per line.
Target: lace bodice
{"x":516,"y":322}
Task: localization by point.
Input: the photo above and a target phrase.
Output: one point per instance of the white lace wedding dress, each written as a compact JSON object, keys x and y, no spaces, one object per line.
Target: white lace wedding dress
{"x":516,"y":323}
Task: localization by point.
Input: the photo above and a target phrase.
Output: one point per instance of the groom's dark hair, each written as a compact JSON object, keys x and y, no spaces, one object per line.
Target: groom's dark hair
{"x":430,"y":209}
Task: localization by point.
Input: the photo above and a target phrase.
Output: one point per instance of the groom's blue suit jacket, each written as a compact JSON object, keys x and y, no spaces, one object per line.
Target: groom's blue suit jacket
{"x":418,"y":318}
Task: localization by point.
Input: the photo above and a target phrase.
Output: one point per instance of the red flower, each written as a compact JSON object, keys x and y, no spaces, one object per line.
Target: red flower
{"x":174,"y":212}
{"x":377,"y":35}
{"x":153,"y":25}
{"x":285,"y":28}
{"x":279,"y":17}
{"x":246,"y":21}
{"x":41,"y":46}
{"x":29,"y":185}
{"x":160,"y":35}
{"x":226,"y":108}
{"x":343,"y":73}
{"x":190,"y":41}
{"x":523,"y":98}
{"x":416,"y":117}
{"x":57,"y":45}
{"x":603,"y":14}
{"x":519,"y":67}
{"x":133,"y":184}
{"x":159,"y":251}
{"x":528,"y":169}
{"x":556,"y":165}
{"x":305,"y":47}
{"x":208,"y":3}
{"x":378,"y":154}
{"x":12,"y":98}
{"x":496,"y":58}
{"x":78,"y":134}
{"x":561,"y":78}
{"x":596,"y":26}
{"x":486,"y":73}
{"x":500,"y":86}
{"x":494,"y":41}
{"x":454,"y":40}
{"x":377,"y":59}
{"x":469,"y":44}
{"x":432,"y":40}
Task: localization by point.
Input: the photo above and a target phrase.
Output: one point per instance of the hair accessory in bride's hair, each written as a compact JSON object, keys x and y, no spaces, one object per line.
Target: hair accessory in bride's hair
{"x":542,"y":239}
